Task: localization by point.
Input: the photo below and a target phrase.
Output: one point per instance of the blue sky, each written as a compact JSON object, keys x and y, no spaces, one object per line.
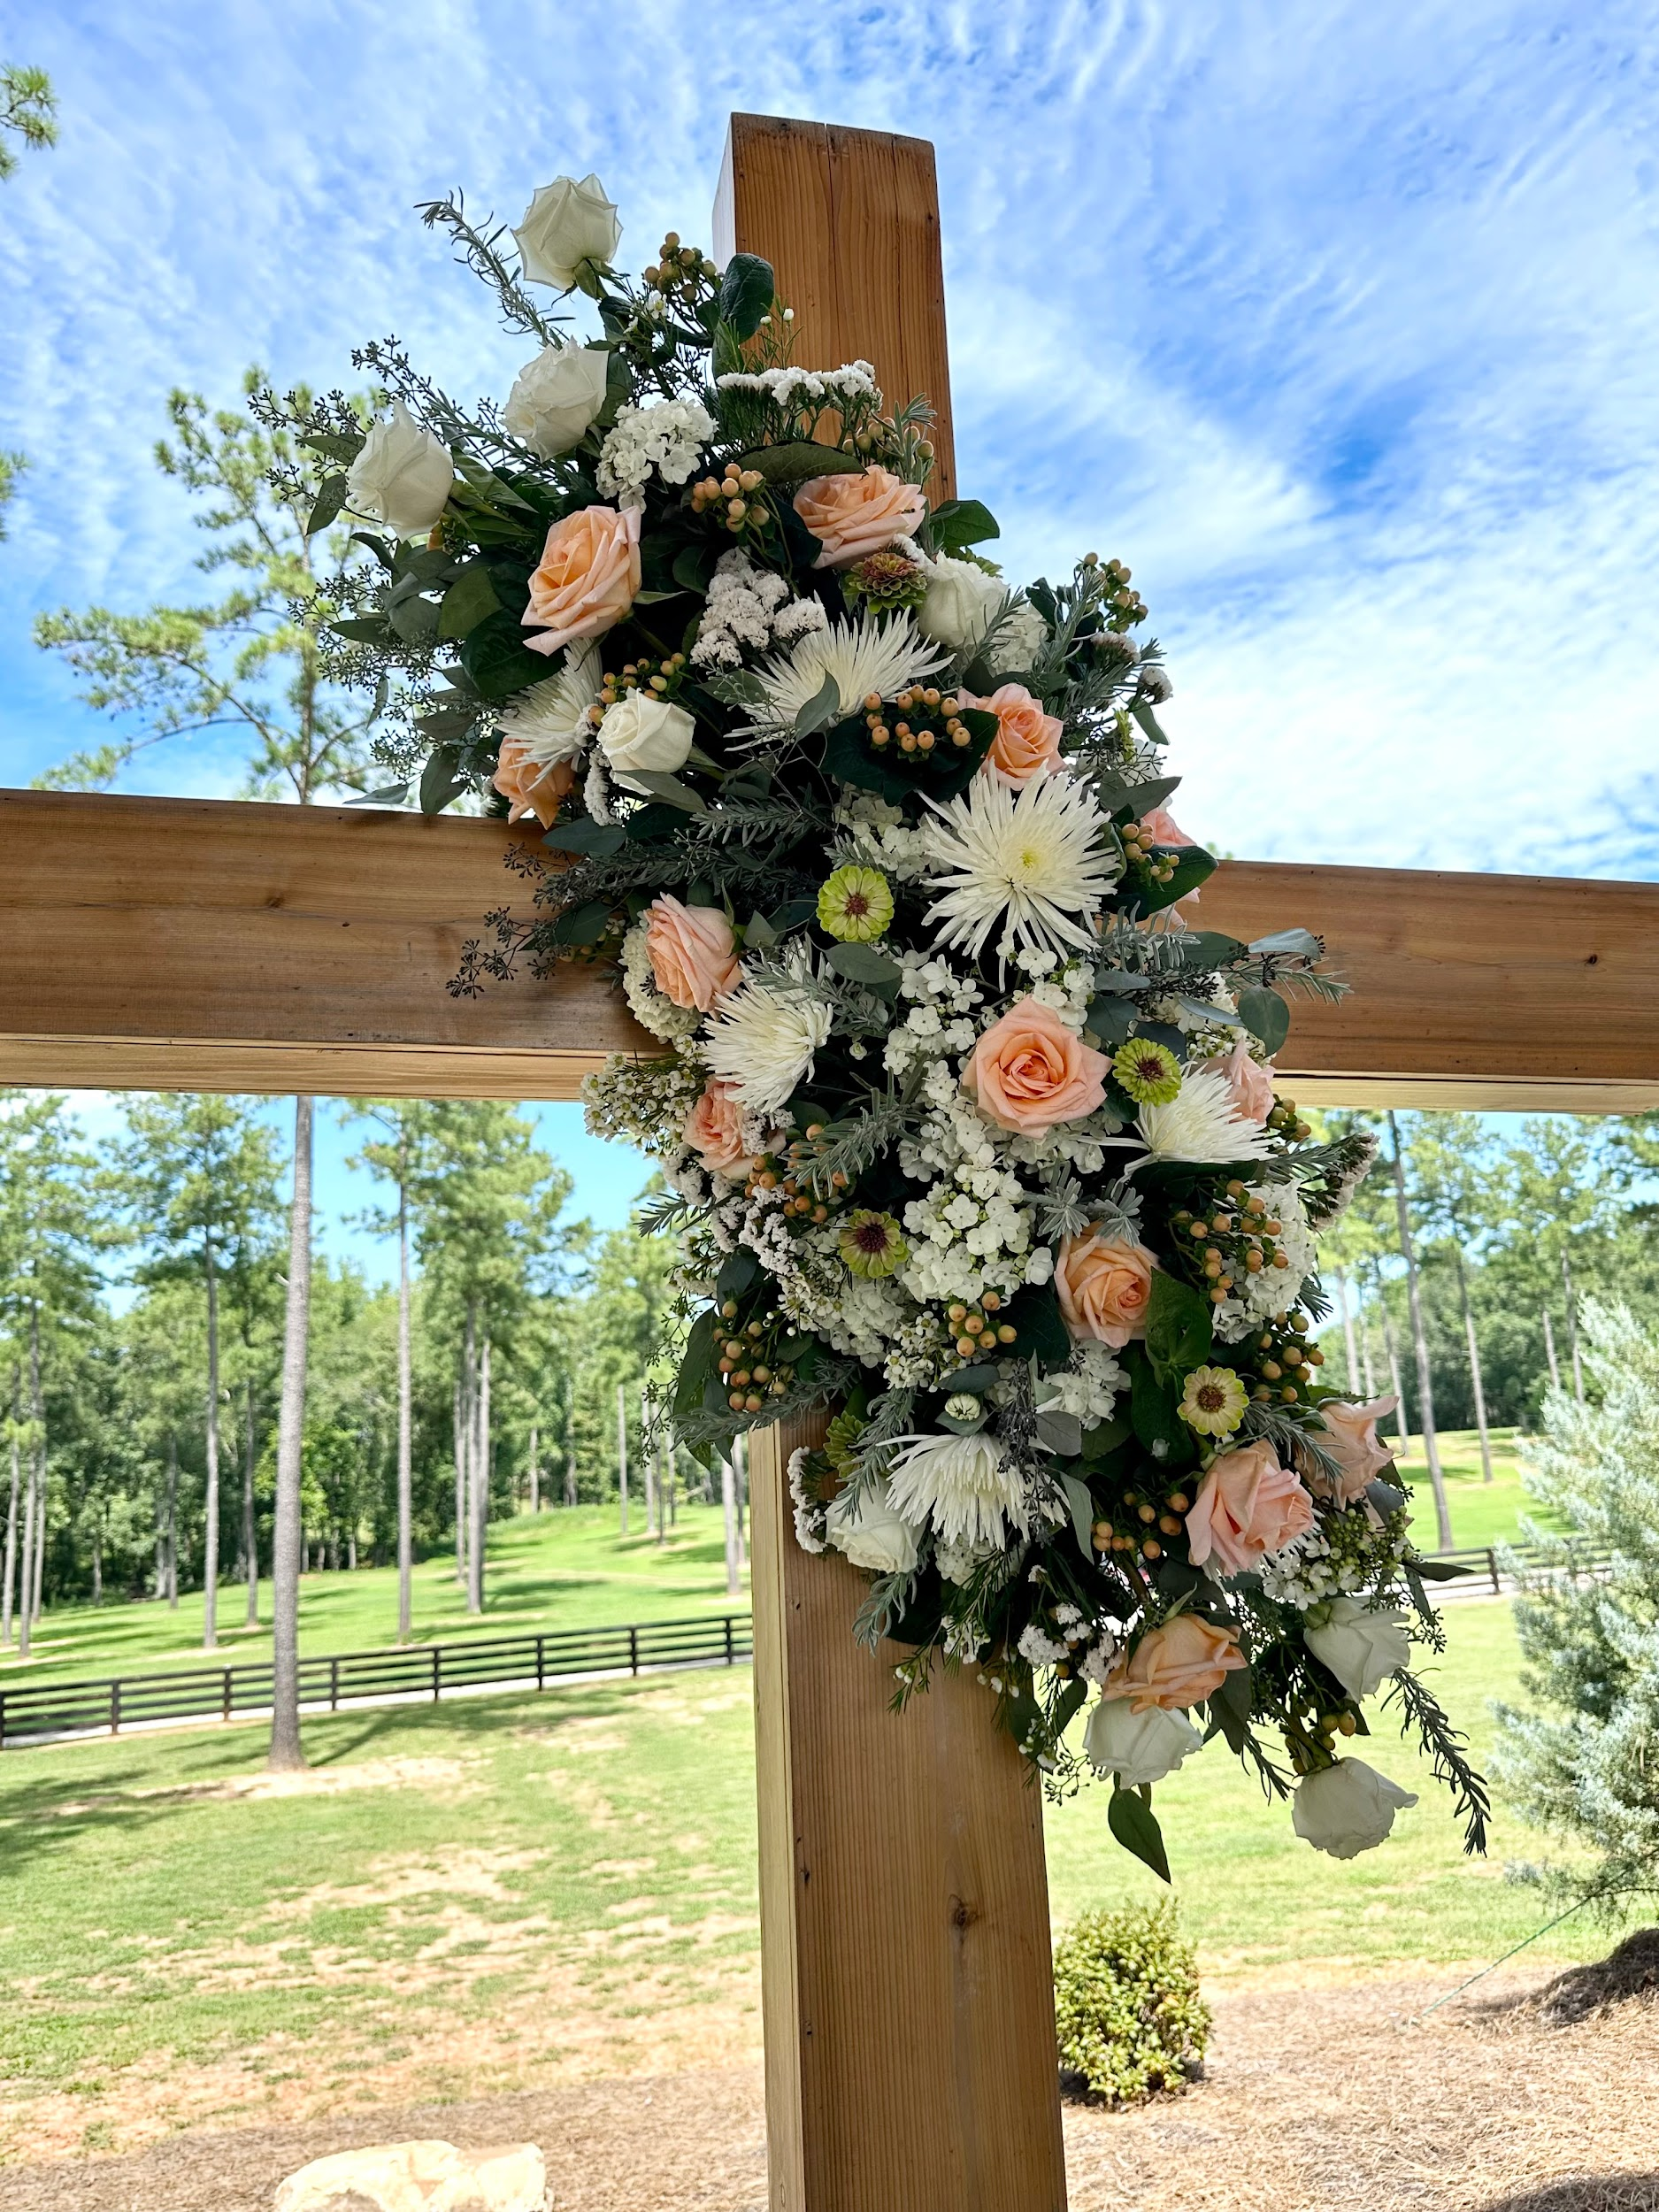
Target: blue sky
{"x":1337,"y":323}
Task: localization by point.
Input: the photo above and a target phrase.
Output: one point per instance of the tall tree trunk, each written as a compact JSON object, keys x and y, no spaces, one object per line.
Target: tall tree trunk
{"x":249,"y":1519}
{"x":1572,"y":1325}
{"x":1420,"y":1345}
{"x":1366,"y":1367}
{"x":622,"y":1452}
{"x":458,"y":1423}
{"x":209,"y":1539}
{"x":570,"y":1441}
{"x":1476,"y":1384}
{"x":728,"y":1500}
{"x":405,"y":1412}
{"x":10,"y":1586}
{"x":34,"y":1512}
{"x":172,"y":1521}
{"x":1350,"y":1345}
{"x":647,"y":1470}
{"x":38,"y":1595}
{"x":98,"y":1557}
{"x":535,"y":1473}
{"x":287,"y":1751}
{"x":480,"y":1480}
{"x":1549,"y":1352}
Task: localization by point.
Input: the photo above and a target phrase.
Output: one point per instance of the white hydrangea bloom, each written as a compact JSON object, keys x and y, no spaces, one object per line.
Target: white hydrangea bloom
{"x":667,"y":438}
{"x":1090,"y":1385}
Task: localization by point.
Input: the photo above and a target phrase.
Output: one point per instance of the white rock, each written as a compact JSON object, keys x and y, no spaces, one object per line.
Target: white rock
{"x":420,"y":2178}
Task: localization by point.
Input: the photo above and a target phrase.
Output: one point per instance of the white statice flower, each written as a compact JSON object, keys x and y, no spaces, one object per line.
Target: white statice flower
{"x":665,"y":439}
{"x":1347,"y":1809}
{"x":1032,"y":860}
{"x":1203,"y":1123}
{"x":556,"y":396}
{"x":1272,"y":1290}
{"x":653,"y":1008}
{"x":863,"y":657}
{"x":808,"y":1514}
{"x":806,"y":388}
{"x":1038,"y":1650}
{"x":1089,"y":1385}
{"x":550,"y":720}
{"x":1098,"y":1660}
{"x":866,"y":1525}
{"x":763,"y":1038}
{"x":749,"y":609}
{"x":962,"y":1484}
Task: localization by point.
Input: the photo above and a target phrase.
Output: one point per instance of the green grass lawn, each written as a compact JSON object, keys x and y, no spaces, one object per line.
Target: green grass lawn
{"x":518,"y":1888}
{"x":564,"y":1568}
{"x":1482,"y":1512}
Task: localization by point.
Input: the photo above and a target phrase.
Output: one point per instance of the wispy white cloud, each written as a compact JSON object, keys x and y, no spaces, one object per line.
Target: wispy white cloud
{"x":1337,"y":324}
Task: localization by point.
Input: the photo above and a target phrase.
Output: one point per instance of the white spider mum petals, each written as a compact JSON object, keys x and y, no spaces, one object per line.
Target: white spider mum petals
{"x":1030,"y":859}
{"x":863,"y":657}
{"x":1201,"y":1123}
{"x":762,"y":1042}
{"x":961,"y":1484}
{"x":550,"y":720}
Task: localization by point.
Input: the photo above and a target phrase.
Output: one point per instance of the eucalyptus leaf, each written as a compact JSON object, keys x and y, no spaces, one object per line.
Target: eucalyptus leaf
{"x":748,"y":289}
{"x":440,"y":783}
{"x":1300,"y":944}
{"x":468,"y":602}
{"x":823,"y":708}
{"x":1062,"y":1433}
{"x":865,"y":963}
{"x":331,"y":498}
{"x":1081,"y":1502}
{"x":1265,"y":1015}
{"x":388,"y":794}
{"x":669,"y":789}
{"x":797,"y":463}
{"x":582,"y":834}
{"x":758,"y":934}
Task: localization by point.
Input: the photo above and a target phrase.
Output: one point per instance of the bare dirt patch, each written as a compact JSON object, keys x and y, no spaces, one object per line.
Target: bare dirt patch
{"x":365,"y":1774}
{"x":1320,"y":2095}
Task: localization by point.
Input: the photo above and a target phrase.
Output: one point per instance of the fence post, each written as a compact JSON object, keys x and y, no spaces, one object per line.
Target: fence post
{"x":633,"y":1650}
{"x":731,"y":1656}
{"x":115,"y":1709}
{"x":1491,"y":1562}
{"x":223,"y":1710}
{"x":437,"y":1656}
{"x":540,"y":1652}
{"x":333,"y":1685}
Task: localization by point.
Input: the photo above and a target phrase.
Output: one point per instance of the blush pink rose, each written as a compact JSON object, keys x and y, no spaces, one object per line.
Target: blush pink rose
{"x":1250,"y":1082}
{"x":1352,"y":1441}
{"x":692,"y":952}
{"x":1248,"y":1505}
{"x":588,"y":578}
{"x":1105,"y":1285}
{"x":852,"y":515}
{"x":532,"y":787}
{"x":714,"y":1130}
{"x":1176,"y":1665}
{"x":1027,"y":741}
{"x":1164,"y":827}
{"x":1029,"y":1072}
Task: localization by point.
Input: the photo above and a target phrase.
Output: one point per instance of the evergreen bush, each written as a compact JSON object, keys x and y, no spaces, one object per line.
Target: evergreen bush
{"x":1582,"y":1763}
{"x":1128,"y":2011}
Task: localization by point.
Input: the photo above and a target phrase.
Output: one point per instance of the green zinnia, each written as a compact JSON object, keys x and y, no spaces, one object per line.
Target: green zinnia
{"x":1149,"y":1072}
{"x":856,"y":904}
{"x":871,"y":1244}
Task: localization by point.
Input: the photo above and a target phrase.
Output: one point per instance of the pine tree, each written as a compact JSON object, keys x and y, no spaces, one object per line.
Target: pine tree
{"x":1581,"y":1762}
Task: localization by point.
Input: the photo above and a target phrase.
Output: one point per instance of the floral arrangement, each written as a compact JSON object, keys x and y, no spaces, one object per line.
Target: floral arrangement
{"x":969,"y":1128}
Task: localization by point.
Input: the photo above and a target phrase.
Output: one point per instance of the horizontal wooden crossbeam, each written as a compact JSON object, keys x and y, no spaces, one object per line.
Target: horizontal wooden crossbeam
{"x":201,"y":945}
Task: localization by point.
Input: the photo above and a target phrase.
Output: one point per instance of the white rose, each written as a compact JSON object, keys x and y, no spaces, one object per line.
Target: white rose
{"x":565,"y":226}
{"x":1138,"y":1747}
{"x":961,"y":604}
{"x":556,"y":396}
{"x":1362,"y":1648}
{"x":643,"y":732}
{"x":402,"y":477}
{"x":863,"y":1525}
{"x":1346,"y":1809}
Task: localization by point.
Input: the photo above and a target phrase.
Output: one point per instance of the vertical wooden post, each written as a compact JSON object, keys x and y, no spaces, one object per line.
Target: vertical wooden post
{"x":906,"y":1985}
{"x":849,"y":221}
{"x":906,"y":1978}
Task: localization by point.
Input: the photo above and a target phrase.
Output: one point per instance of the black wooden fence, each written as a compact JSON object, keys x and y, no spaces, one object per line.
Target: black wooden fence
{"x":32,"y":1712}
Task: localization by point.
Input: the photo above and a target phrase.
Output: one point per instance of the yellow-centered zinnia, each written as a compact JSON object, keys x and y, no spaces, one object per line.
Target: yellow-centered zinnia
{"x":1213,"y":1402}
{"x":856,"y":904}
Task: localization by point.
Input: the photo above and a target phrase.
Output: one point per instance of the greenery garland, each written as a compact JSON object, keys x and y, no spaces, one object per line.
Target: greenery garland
{"x":969,"y":1128}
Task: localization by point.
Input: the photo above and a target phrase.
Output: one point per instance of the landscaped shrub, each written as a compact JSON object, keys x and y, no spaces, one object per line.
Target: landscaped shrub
{"x":1128,"y":2010}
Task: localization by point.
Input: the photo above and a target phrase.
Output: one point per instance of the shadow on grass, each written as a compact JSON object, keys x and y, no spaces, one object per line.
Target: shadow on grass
{"x":1596,"y":2193}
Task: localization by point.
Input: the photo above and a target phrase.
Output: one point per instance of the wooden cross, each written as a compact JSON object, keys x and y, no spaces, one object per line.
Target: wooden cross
{"x":193,"y":945}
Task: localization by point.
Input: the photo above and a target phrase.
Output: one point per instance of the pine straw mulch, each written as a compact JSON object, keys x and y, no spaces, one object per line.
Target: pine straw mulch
{"x":1530,"y":2095}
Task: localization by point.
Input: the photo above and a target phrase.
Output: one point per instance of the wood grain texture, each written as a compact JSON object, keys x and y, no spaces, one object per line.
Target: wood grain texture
{"x":850,"y":222}
{"x":906,"y":1977}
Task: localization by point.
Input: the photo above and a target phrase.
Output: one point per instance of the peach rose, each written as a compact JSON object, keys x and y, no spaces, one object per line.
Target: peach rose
{"x":852,"y":515}
{"x":1250,"y":1082}
{"x":1027,"y":741}
{"x":532,"y":788}
{"x":1164,"y":828}
{"x":1105,"y":1285}
{"x":588,"y":578}
{"x":1247,"y":1505}
{"x":714,"y":1130}
{"x":1175,"y":1665}
{"x":1029,"y":1072}
{"x":692,"y":952}
{"x":1352,"y":1441}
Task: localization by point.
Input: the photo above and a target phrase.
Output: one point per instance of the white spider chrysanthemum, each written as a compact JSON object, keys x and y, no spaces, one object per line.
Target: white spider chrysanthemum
{"x":961,"y":1484}
{"x":1030,"y":859}
{"x":863,"y":657}
{"x":762,"y":1042}
{"x":550,"y":718}
{"x":1203,"y":1123}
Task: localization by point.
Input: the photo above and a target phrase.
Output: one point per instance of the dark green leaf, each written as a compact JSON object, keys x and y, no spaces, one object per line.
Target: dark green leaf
{"x":958,"y":523}
{"x":1034,"y":1314}
{"x":1193,"y":866}
{"x":1265,"y":1015}
{"x":584,"y":925}
{"x":582,"y":834}
{"x":738,"y":1271}
{"x":1069,"y":1704}
{"x":439,"y":782}
{"x":693,"y":566}
{"x":1110,"y":1019}
{"x":368,"y":629}
{"x":331,"y":498}
{"x":668,"y":790}
{"x":1082,"y":1504}
{"x":823,"y":708}
{"x":1135,"y":1824}
{"x":696,"y":1366}
{"x":414,"y":619}
{"x":388,"y":794}
{"x":978,"y":1378}
{"x":746,"y":291}
{"x":1062,"y":1433}
{"x":496,"y":659}
{"x":796,"y":464}
{"x":1229,"y":1706}
{"x":1148,"y":721}
{"x":468,"y":600}
{"x":1159,"y":1428}
{"x":866,"y":965}
{"x":1444,"y":1570}
{"x":1209,"y":949}
{"x":1178,"y":1328}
